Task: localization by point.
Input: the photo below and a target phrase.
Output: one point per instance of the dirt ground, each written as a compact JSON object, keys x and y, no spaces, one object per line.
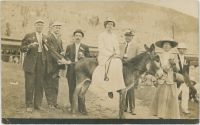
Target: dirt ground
{"x":98,"y":104}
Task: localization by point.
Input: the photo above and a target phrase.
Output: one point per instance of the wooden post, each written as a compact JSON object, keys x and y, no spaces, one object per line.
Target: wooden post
{"x":173,"y":30}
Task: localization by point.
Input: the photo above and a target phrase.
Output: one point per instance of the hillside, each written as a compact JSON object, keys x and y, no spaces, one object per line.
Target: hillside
{"x":150,"y":22}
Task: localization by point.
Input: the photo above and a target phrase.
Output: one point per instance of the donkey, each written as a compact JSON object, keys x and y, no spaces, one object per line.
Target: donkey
{"x":132,"y":70}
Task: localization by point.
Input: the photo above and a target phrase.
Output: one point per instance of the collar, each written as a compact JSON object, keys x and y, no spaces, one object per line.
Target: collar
{"x":38,"y":33}
{"x":77,"y":44}
{"x":128,"y":43}
{"x":54,"y":35}
{"x":181,"y":55}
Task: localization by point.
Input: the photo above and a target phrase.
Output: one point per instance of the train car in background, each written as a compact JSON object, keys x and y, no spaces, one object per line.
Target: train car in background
{"x":10,"y":50}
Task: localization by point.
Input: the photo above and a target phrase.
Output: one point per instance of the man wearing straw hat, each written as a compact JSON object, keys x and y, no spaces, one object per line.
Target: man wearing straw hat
{"x":183,"y":68}
{"x":57,"y":53}
{"x":34,"y":66}
{"x":129,"y":50}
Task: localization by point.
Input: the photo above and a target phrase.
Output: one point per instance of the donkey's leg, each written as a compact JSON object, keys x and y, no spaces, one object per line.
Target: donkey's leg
{"x":74,"y":106}
{"x":82,"y":93}
{"x":122,"y":102}
{"x":120,"y":106}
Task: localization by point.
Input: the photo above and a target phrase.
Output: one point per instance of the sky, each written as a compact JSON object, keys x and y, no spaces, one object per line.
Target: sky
{"x":189,"y":7}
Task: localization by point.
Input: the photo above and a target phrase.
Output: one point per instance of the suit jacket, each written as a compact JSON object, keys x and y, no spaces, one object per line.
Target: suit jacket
{"x":32,"y":52}
{"x":183,"y":68}
{"x":71,"y":52}
{"x":132,"y":50}
{"x":55,"y":47}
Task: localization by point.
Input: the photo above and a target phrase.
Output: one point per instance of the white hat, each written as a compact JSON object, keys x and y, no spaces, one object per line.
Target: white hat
{"x":56,"y":23}
{"x":39,"y":21}
{"x":182,"y":46}
{"x":109,"y":19}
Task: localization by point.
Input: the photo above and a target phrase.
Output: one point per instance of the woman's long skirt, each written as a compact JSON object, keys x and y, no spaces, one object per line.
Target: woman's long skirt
{"x":115,"y":75}
{"x":165,"y":103}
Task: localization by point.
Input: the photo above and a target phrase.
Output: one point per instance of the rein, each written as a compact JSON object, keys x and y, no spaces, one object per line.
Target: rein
{"x":106,"y":78}
{"x":140,"y":69}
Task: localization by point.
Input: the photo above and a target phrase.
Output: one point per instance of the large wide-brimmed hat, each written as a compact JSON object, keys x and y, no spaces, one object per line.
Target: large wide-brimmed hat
{"x":181,"y":46}
{"x":109,"y":19}
{"x":172,"y":42}
{"x":78,"y":31}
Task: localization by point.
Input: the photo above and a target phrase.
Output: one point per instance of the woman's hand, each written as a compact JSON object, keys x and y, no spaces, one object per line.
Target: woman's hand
{"x":172,"y":61}
{"x":117,"y":56}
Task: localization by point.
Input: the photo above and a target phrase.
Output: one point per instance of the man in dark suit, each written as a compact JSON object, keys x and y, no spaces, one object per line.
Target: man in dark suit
{"x":74,"y":52}
{"x":55,"y":53}
{"x":34,"y":66}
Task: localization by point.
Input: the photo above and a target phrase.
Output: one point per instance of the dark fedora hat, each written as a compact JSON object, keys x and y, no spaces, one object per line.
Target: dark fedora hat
{"x":172,"y":42}
{"x":78,"y":31}
{"x":129,"y":33}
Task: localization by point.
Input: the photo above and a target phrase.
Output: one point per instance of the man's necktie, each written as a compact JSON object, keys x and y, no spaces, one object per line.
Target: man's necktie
{"x":40,"y":43}
{"x":126,"y":48}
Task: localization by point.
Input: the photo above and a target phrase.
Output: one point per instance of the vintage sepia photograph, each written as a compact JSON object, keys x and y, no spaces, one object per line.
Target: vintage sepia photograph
{"x":74,"y":62}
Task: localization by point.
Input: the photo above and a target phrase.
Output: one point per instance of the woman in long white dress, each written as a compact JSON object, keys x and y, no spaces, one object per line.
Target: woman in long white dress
{"x":110,"y":65}
{"x":165,"y":103}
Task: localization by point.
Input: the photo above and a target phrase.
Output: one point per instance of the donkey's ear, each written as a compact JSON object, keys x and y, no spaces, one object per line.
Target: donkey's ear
{"x":146,"y":47}
{"x":152,"y":47}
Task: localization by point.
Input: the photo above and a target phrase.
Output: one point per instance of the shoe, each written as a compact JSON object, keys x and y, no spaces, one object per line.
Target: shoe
{"x":57,"y":106}
{"x":39,"y":108}
{"x":110,"y":95}
{"x":186,"y":112}
{"x":84,"y":112}
{"x":29,"y":109}
{"x":132,"y":112}
{"x":52,"y":107}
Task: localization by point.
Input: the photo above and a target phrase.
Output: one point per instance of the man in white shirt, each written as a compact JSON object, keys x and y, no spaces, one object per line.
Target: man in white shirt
{"x":74,"y":52}
{"x":129,"y":50}
{"x":52,"y":76}
{"x":34,"y":66}
{"x":183,"y":68}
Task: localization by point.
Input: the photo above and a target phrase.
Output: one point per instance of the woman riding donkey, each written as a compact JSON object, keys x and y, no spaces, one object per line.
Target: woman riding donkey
{"x":109,"y":59}
{"x":108,"y":71}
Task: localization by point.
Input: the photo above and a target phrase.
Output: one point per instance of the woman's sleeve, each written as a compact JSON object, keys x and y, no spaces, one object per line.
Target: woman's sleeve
{"x":177,"y":63}
{"x":101,"y":47}
{"x":116,"y":46}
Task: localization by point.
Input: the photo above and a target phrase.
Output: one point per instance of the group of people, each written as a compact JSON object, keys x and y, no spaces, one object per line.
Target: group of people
{"x":45,"y":56}
{"x":41,"y":64}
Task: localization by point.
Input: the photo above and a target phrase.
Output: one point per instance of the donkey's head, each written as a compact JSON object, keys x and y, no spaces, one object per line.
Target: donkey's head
{"x":153,"y":60}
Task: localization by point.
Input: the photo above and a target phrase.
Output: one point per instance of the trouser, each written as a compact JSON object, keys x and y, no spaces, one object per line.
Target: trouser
{"x":51,"y":88}
{"x":71,"y":78}
{"x":130,"y":99}
{"x":185,"y":96}
{"x":34,"y":84}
